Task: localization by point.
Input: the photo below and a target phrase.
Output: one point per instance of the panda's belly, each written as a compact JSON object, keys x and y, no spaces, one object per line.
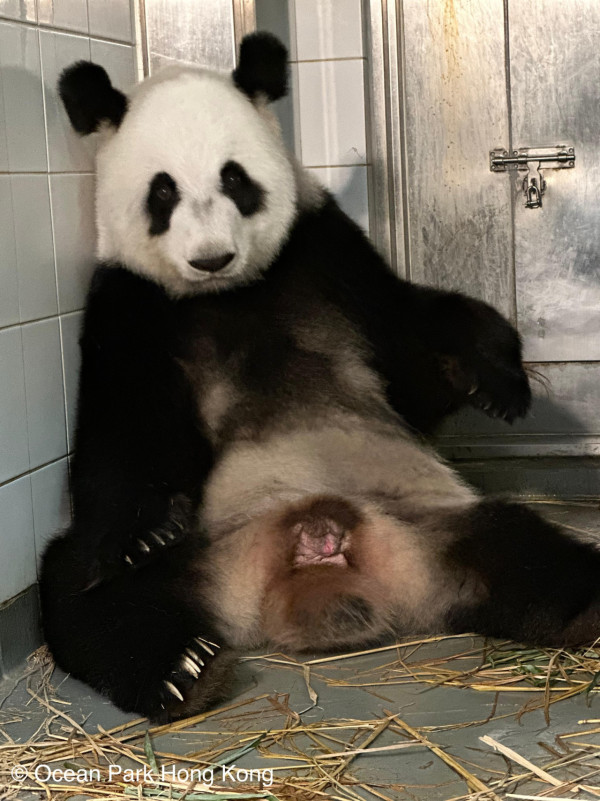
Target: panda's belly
{"x":321,"y":536}
{"x":346,"y":456}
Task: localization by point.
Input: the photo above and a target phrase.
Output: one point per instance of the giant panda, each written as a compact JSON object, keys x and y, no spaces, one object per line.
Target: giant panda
{"x":250,"y":465}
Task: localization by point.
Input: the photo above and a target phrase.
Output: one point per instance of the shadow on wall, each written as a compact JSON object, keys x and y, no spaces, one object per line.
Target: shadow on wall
{"x":553,"y":451}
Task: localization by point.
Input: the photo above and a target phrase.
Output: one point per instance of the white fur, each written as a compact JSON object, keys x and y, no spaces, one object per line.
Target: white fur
{"x":189,"y":123}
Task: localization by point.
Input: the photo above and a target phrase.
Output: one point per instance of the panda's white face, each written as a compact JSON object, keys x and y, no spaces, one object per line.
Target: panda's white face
{"x":195,"y":188}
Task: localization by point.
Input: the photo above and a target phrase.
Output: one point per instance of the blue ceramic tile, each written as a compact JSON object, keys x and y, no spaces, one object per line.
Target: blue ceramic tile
{"x":17,"y":565}
{"x":66,"y":150}
{"x":51,"y":503}
{"x":70,"y":325}
{"x":34,"y":246}
{"x":14,"y":452}
{"x":69,"y":14}
{"x":118,"y":60}
{"x":44,"y":391}
{"x":9,"y":284}
{"x":21,"y":100}
{"x":111,"y":19}
{"x":72,"y":199}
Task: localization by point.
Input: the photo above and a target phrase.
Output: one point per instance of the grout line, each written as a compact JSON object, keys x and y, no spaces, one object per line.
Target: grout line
{"x":47,"y":172}
{"x":45,"y":26}
{"x":56,"y":288}
{"x":23,"y":323}
{"x":336,"y":166}
{"x":35,"y":469}
{"x":326,"y":60}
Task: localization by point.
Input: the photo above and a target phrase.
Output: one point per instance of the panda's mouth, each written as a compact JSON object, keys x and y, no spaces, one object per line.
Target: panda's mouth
{"x":211,"y":264}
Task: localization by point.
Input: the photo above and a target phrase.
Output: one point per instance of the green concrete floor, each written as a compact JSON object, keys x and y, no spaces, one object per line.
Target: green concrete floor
{"x":415,"y":772}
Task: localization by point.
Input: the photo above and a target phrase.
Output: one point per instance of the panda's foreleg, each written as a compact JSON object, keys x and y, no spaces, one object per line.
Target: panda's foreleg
{"x":140,"y":638}
{"x":140,"y":456}
{"x":480,"y":352}
{"x":535,"y":583}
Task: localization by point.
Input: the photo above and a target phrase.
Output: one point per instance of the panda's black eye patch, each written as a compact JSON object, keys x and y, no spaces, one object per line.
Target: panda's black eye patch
{"x":162,"y":198}
{"x":237,"y":185}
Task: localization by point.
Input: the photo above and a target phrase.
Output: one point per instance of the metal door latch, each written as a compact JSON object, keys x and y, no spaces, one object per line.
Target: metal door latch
{"x":533,"y":159}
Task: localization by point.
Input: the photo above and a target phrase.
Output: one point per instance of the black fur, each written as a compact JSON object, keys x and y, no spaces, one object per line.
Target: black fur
{"x":90,"y":98}
{"x":139,"y":447}
{"x":236,"y":184}
{"x":539,"y":585}
{"x":262,"y":66}
{"x":127,"y":637}
{"x":162,"y":198}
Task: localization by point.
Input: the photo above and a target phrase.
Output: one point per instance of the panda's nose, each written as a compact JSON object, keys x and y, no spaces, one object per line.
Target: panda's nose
{"x":212,"y":265}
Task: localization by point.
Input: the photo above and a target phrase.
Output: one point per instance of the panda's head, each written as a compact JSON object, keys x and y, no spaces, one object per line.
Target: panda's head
{"x":195,"y":188}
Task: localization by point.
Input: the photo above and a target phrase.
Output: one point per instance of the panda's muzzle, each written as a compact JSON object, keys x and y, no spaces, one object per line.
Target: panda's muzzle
{"x":212,"y":265}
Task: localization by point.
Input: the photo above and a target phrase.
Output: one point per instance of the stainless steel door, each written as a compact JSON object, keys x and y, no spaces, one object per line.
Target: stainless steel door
{"x":474,"y":75}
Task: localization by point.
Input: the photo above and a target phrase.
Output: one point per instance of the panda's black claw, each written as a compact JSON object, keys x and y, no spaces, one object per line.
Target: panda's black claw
{"x":143,"y":546}
{"x":157,"y":538}
{"x":194,"y":656}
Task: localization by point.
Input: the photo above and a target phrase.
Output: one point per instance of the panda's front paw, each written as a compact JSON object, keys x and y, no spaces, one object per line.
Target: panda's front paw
{"x":500,"y":392}
{"x":145,"y":547}
{"x":497,"y":386}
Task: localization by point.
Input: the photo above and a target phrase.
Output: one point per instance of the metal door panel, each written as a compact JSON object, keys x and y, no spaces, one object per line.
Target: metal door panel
{"x":564,"y":419}
{"x":555,"y":89}
{"x":197,"y":31}
{"x":456,"y":110}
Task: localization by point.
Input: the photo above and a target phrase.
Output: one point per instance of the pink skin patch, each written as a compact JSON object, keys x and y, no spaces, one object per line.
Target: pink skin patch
{"x":320,"y":542}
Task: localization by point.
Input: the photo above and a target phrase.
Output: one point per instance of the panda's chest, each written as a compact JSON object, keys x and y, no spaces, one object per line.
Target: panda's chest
{"x":251,"y":373}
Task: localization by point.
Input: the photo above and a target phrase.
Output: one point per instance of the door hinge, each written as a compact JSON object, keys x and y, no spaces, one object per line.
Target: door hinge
{"x":533,"y":159}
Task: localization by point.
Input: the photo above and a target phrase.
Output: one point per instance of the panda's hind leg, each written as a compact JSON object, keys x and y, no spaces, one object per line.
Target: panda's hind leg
{"x":536,"y":583}
{"x":135,"y":638}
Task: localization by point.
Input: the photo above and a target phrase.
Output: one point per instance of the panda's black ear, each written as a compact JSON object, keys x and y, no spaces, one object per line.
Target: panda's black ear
{"x":89,"y":97}
{"x":262,"y":66}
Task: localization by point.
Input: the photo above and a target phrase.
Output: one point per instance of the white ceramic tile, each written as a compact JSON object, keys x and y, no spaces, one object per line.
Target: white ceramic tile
{"x":349,"y":185}
{"x":14,"y":452}
{"x":72,"y":199}
{"x":111,"y":19}
{"x":23,"y":10}
{"x":21,"y":100}
{"x":51,"y":503}
{"x":332,"y":117}
{"x":328,"y":29}
{"x":44,"y":392}
{"x":66,"y":149}
{"x":9,"y":284}
{"x":35,"y":252}
{"x":118,"y":60}
{"x":69,"y":14}
{"x":70,"y":325}
{"x":17,"y":565}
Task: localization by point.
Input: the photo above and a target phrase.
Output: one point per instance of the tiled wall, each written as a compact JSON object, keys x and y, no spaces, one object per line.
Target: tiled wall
{"x":46,"y":255}
{"x":325,"y":117}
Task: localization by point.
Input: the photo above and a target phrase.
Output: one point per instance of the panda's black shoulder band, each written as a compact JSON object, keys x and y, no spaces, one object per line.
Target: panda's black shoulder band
{"x":262,"y":66}
{"x":89,"y":97}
